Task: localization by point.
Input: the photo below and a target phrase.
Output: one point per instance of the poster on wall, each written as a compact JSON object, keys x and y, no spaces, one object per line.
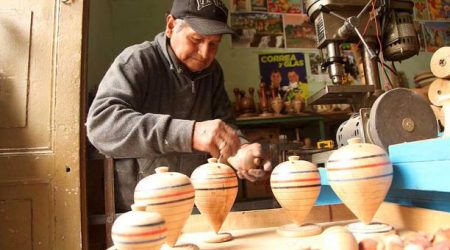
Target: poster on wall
{"x":437,"y":34}
{"x":419,"y":29}
{"x":285,"y":71}
{"x":257,"y":30}
{"x":259,"y":5}
{"x":317,"y":76}
{"x":421,"y":10}
{"x":286,"y":6}
{"x":300,"y":32}
{"x":248,"y":5}
{"x":439,"y":9}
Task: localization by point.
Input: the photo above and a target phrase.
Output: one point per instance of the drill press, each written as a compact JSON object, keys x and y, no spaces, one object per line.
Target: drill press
{"x":382,"y":27}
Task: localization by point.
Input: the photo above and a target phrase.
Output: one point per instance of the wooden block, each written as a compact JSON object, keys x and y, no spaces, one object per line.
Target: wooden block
{"x":417,"y":219}
{"x":256,"y":219}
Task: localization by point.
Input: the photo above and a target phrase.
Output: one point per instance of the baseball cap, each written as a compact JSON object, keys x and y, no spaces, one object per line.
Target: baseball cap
{"x":206,"y":17}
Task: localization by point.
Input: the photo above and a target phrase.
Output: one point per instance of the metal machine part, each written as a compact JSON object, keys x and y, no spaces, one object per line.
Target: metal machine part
{"x":371,"y":68}
{"x":352,"y":94}
{"x":349,"y":129}
{"x":336,"y":63}
{"x":400,"y":39}
{"x":338,"y":21}
{"x":397,"y":116}
{"x":400,"y":115}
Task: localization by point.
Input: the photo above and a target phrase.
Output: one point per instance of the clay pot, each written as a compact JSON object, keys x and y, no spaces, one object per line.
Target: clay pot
{"x":139,"y":230}
{"x":216,"y":187}
{"x":296,"y":185}
{"x":170,"y":194}
{"x":360,"y":174}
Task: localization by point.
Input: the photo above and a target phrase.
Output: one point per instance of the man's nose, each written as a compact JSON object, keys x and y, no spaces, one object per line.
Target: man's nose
{"x":203,"y":50}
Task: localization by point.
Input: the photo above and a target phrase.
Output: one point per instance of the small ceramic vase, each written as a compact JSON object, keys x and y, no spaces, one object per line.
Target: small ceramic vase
{"x":216,"y":187}
{"x":277,"y":105}
{"x":297,"y":104}
{"x":439,"y":94}
{"x":361,"y":174}
{"x":296,"y":186}
{"x":288,"y":107}
{"x":338,"y":238}
{"x":170,"y":194}
{"x":139,"y":230}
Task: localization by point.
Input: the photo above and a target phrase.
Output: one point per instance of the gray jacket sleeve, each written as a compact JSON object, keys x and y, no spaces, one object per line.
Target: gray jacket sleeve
{"x":117,"y":129}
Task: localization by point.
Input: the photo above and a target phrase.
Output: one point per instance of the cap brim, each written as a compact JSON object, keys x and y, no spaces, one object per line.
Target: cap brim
{"x":208,"y":26}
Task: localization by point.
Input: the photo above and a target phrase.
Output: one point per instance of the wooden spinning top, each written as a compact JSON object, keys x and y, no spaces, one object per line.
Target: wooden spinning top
{"x":170,"y":194}
{"x":296,"y":186}
{"x":216,"y":187}
{"x":360,"y":174}
{"x":139,"y":230}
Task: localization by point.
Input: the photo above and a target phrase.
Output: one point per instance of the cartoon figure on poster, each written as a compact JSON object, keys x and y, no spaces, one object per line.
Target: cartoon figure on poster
{"x":259,"y":5}
{"x":248,"y":5}
{"x":285,"y":6}
{"x":260,"y":30}
{"x":238,"y":5}
{"x":286,"y":73}
{"x":421,"y":10}
{"x":300,"y":32}
{"x":439,"y":9}
{"x":436,"y":35}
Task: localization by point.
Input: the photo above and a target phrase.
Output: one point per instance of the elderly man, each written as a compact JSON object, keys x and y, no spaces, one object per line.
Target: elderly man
{"x":163,"y":103}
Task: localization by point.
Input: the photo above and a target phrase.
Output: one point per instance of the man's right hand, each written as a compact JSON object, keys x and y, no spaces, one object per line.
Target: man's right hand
{"x":216,"y":138}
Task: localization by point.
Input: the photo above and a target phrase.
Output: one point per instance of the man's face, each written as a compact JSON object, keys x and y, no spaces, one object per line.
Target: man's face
{"x":292,"y":76}
{"x":275,"y":78}
{"x":194,"y":50}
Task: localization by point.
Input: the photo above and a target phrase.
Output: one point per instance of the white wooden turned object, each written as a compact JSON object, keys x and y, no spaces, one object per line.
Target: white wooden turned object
{"x":139,"y":230}
{"x":360,"y":174}
{"x":296,"y":186}
{"x":440,"y":63}
{"x":438,"y":88}
{"x":338,"y":238}
{"x":170,"y":194}
{"x":439,"y":94}
{"x":216,"y":188}
{"x":445,"y":100}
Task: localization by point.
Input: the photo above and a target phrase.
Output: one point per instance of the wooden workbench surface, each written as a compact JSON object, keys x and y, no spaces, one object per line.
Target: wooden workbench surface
{"x":254,"y":239}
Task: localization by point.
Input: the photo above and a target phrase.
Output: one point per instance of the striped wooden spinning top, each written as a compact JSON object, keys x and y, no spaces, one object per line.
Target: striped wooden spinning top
{"x":296,"y":186}
{"x":216,"y":187}
{"x":169,"y":193}
{"x":360,"y":174}
{"x":139,"y":230}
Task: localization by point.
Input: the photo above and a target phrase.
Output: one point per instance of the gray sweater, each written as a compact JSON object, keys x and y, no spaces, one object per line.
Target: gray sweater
{"x":144,"y":112}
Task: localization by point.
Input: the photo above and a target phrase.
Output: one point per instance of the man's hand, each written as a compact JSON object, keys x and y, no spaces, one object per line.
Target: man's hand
{"x":216,"y":138}
{"x":250,"y":162}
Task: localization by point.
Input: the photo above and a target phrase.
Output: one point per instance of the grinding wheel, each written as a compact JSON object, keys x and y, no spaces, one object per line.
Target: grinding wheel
{"x":400,"y":115}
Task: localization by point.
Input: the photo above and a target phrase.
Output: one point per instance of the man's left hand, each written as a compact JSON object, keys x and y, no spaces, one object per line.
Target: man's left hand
{"x":250,"y":162}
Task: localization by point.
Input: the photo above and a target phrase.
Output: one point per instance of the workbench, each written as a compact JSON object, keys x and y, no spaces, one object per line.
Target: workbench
{"x":256,"y":230}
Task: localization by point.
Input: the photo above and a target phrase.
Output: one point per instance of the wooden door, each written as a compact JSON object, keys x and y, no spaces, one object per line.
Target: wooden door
{"x":40,"y":63}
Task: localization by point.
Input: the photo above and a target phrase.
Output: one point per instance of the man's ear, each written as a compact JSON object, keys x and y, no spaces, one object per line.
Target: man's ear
{"x":170,"y":24}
